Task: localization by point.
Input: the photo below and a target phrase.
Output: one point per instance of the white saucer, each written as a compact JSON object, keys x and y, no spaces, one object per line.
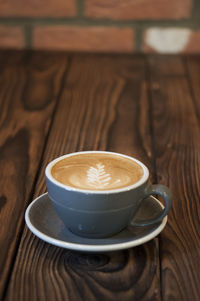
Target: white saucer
{"x":43,"y":221}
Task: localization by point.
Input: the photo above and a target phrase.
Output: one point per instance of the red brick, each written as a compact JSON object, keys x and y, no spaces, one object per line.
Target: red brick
{"x":138,"y":9}
{"x":99,"y":39}
{"x":44,"y":8}
{"x":11,"y":37}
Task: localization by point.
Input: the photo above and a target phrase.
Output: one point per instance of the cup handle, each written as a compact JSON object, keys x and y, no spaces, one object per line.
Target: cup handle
{"x":167,"y":196}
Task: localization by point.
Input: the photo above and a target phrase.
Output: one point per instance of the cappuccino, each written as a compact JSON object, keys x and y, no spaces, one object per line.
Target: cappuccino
{"x":97,"y":171}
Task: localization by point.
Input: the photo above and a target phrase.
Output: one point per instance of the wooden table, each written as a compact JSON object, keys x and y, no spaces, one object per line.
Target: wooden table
{"x":144,"y":106}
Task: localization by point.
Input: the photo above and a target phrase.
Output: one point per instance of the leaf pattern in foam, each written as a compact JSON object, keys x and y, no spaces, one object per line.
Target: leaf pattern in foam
{"x":96,"y":176}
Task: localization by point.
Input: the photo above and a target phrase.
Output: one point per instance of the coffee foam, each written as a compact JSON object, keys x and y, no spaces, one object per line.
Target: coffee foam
{"x":97,"y":171}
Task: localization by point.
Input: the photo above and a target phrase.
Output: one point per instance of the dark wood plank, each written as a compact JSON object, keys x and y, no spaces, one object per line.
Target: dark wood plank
{"x":177,"y":151}
{"x":29,"y":87}
{"x":104,"y":106}
{"x":11,"y":57}
{"x":171,"y":65}
{"x":193,"y":71}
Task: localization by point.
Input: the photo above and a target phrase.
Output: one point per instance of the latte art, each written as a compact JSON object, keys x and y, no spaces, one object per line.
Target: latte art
{"x":97,"y":177}
{"x":97,"y":171}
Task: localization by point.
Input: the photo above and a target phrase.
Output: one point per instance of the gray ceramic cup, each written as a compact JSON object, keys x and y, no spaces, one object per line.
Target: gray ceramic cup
{"x":96,"y":214}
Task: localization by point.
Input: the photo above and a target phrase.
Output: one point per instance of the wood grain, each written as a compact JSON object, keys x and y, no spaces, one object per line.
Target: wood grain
{"x":177,"y":151}
{"x":103,"y":106}
{"x":29,"y":87}
{"x":192,"y":65}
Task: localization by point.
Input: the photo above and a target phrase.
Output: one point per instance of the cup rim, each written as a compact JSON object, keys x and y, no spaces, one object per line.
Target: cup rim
{"x":143,"y":179}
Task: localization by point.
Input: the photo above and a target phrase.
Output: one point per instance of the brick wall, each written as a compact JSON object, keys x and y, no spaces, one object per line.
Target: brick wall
{"x":164,"y":26}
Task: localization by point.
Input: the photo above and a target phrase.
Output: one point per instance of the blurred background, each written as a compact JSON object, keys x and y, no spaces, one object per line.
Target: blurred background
{"x":142,"y":26}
